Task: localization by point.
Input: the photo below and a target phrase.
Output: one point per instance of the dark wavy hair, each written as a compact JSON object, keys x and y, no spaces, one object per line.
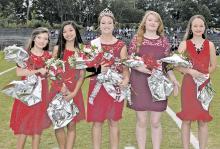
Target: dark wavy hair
{"x":61,"y":40}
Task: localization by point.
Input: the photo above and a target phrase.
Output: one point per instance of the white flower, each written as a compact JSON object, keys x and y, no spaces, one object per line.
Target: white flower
{"x":87,"y":50}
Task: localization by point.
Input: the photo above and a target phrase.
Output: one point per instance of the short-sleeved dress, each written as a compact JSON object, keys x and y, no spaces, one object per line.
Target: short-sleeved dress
{"x":104,"y":106}
{"x":70,"y":78}
{"x":140,"y":94}
{"x":191,"y":107}
{"x":31,"y":120}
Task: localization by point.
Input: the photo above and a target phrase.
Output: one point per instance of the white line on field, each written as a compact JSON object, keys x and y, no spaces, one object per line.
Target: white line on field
{"x":193,"y":140}
{"x":1,"y":73}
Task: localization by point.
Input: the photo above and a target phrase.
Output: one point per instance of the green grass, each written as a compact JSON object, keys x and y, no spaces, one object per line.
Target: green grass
{"x":171,"y":133}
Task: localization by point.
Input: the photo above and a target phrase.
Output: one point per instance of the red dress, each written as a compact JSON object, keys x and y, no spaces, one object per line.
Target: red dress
{"x":70,"y":78}
{"x":104,"y":106}
{"x":31,"y":120}
{"x":191,"y":107}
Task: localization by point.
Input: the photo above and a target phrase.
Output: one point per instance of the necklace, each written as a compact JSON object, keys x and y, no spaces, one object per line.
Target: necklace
{"x":198,"y":49}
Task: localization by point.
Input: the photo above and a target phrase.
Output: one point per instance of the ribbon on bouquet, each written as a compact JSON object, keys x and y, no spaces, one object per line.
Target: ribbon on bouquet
{"x":159,"y":85}
{"x":16,"y":54}
{"x":205,"y":92}
{"x":61,"y":112}
{"x":110,"y":80}
{"x":27,"y":91}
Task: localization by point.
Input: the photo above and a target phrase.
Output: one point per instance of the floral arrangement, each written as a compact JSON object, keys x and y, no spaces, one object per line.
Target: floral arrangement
{"x":90,"y":57}
{"x":56,"y":68}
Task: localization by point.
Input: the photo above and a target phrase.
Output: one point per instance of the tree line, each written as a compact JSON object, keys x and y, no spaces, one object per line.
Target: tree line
{"x":29,"y":13}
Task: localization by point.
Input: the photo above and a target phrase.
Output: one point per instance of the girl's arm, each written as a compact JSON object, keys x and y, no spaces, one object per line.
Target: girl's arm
{"x":126,"y":73}
{"x":55,"y":52}
{"x":78,"y":86}
{"x":26,"y":72}
{"x":213,"y":62}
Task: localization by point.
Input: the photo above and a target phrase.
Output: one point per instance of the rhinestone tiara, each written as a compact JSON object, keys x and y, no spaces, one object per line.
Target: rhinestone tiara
{"x":106,"y":12}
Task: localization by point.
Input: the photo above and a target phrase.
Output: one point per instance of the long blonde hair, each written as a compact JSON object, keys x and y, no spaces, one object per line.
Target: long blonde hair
{"x":142,"y":28}
{"x":189,"y":33}
{"x":35,"y":32}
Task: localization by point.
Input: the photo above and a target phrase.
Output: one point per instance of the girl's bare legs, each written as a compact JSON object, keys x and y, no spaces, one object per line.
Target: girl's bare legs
{"x":97,"y":135}
{"x":156,"y":130}
{"x":21,"y":139}
{"x":35,"y":141}
{"x":61,"y":137}
{"x":141,"y":129}
{"x":186,"y":125}
{"x":202,"y":134}
{"x":71,"y":135}
{"x":114,"y":134}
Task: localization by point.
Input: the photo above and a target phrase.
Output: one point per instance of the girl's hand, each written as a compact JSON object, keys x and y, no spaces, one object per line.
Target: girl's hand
{"x":68,"y":96}
{"x":123,"y":84}
{"x":42,"y":71}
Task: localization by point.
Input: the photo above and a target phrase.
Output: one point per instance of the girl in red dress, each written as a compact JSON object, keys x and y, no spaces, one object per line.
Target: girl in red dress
{"x":31,"y":120}
{"x":150,"y":37}
{"x":71,"y":82}
{"x":201,"y":52}
{"x":105,"y":106}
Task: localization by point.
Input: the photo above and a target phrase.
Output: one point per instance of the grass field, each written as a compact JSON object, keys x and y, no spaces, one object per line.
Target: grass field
{"x":171,"y":133}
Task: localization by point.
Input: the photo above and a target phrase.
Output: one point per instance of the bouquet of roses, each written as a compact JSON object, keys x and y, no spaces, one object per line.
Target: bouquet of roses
{"x":16,"y":54}
{"x":56,"y":67}
{"x":61,"y":112}
{"x":86,"y":57}
{"x":178,"y":59}
{"x":133,"y":61}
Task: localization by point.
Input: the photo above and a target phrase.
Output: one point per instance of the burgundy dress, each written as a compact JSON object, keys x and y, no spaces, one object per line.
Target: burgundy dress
{"x":141,"y":96}
{"x":191,"y":107}
{"x":70,"y":78}
{"x":104,"y":106}
{"x":31,"y":120}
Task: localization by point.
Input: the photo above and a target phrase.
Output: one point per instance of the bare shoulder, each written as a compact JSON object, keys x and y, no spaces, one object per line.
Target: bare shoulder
{"x":211,"y":44}
{"x":182,"y":47}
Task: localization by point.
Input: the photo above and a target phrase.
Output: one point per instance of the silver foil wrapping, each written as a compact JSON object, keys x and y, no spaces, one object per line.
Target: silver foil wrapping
{"x":110,"y":81}
{"x":133,"y":61}
{"x":16,"y":54}
{"x":177,"y":60}
{"x":78,"y":62}
{"x":61,"y":112}
{"x":206,"y":94}
{"x":160,"y":86}
{"x":27,"y":91}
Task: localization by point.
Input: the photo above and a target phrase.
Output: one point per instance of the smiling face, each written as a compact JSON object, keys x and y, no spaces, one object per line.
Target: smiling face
{"x":69,"y":33}
{"x":152,"y":23}
{"x":198,"y":27}
{"x":41,"y":40}
{"x":106,"y":25}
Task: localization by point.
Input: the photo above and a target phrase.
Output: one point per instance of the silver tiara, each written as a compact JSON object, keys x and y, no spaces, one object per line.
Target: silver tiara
{"x":106,"y":12}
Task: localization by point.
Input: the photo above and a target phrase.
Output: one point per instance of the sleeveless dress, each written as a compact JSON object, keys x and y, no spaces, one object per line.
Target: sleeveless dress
{"x":70,"y":78}
{"x":31,"y":120}
{"x":104,"y":106}
{"x":141,"y":97}
{"x":191,"y":107}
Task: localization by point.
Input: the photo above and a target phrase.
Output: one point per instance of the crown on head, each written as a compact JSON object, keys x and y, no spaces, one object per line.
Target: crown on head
{"x":106,"y":12}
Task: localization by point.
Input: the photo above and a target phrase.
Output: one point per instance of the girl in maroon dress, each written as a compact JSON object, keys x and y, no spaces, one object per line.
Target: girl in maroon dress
{"x":149,"y":41}
{"x":31,"y":120}
{"x":105,"y":106}
{"x":71,"y":82}
{"x":201,"y":52}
